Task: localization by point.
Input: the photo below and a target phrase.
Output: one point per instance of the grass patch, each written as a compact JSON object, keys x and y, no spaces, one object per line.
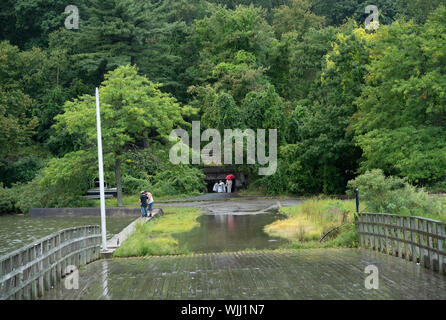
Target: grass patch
{"x":156,"y":236}
{"x":347,"y":237}
{"x":307,"y":222}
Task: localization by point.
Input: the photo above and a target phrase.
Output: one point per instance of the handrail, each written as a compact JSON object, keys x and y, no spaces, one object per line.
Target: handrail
{"x":36,"y":242}
{"x":27,"y":272}
{"x":418,"y":239}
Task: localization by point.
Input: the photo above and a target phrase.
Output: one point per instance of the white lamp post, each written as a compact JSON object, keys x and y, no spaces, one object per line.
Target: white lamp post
{"x":101,"y":173}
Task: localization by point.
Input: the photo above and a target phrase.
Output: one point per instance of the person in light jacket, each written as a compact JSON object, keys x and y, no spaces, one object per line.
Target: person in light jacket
{"x":221,"y":186}
{"x":150,"y":203}
{"x":229,"y":185}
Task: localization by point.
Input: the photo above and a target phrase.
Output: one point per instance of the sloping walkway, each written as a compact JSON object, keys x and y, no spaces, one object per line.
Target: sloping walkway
{"x":288,"y":274}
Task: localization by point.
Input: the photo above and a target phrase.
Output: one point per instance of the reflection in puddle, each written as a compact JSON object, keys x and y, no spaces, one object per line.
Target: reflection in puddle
{"x":226,"y":232}
{"x":105,"y":280}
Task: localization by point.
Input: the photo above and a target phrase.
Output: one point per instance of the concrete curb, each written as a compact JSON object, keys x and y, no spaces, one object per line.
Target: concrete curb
{"x":115,"y":242}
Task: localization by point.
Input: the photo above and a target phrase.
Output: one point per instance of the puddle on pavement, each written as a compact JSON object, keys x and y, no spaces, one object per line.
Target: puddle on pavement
{"x":218,"y":233}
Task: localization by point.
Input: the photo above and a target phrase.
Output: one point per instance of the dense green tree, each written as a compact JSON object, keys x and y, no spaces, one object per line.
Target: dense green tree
{"x":227,"y":32}
{"x":28,"y":23}
{"x":337,"y":12}
{"x":7,"y":21}
{"x":167,"y":53}
{"x":114,"y":34}
{"x":228,"y":114}
{"x":400,"y":123}
{"x":322,"y":155}
{"x":16,"y":74}
{"x":240,"y":76}
{"x":417,"y":10}
{"x":131,"y":106}
{"x":295,"y":17}
{"x":235,"y":47}
{"x":264,"y":110}
{"x":344,"y":100}
{"x":297,"y":62}
{"x":60,"y":184}
{"x":266,"y":4}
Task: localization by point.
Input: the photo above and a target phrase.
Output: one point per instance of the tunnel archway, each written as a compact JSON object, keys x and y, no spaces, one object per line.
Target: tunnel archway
{"x":216,"y":173}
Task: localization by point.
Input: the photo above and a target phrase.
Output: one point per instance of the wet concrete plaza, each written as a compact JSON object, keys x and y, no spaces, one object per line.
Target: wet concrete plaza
{"x":268,"y":274}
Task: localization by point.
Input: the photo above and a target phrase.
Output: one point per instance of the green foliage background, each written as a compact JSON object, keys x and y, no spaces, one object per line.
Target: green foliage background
{"x":345,"y":100}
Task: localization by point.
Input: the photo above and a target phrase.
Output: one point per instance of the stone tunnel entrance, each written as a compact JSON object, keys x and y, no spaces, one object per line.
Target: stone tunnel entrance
{"x":217,"y":173}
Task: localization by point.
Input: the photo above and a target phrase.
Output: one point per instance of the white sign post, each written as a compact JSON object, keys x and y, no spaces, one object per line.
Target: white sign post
{"x":101,"y":173}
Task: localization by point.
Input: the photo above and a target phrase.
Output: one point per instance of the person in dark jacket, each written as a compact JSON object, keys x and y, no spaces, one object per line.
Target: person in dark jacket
{"x":144,"y":202}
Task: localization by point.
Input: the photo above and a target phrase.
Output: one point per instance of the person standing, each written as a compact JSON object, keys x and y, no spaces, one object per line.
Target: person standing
{"x":150,"y":202}
{"x":229,"y":185}
{"x":221,"y":186}
{"x":143,"y":202}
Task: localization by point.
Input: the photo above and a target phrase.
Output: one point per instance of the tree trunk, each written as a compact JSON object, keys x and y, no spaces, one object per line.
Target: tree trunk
{"x":118,"y":179}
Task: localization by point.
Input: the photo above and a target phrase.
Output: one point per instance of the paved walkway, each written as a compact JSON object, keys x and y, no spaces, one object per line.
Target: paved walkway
{"x":290,"y":274}
{"x":236,"y":206}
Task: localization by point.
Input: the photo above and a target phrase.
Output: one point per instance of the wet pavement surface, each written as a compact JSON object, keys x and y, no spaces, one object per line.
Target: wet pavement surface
{"x":270,"y":274}
{"x":235,"y":206}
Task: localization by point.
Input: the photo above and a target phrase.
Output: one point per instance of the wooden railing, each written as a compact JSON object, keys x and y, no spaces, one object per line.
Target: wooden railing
{"x":416,"y":239}
{"x":26,"y":273}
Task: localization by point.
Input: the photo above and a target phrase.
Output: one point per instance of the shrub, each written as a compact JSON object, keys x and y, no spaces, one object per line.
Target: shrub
{"x":393,"y":195}
{"x":179,"y":179}
{"x":23,"y":170}
{"x":36,"y":195}
{"x":151,"y":169}
{"x":438,"y":187}
{"x":7,"y":200}
{"x":176,"y":180}
{"x":347,"y":238}
{"x":132,"y":185}
{"x":61,"y":184}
